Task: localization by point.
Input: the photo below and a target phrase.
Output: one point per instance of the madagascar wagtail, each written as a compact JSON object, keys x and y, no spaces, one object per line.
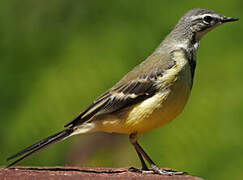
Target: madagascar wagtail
{"x":150,"y":95}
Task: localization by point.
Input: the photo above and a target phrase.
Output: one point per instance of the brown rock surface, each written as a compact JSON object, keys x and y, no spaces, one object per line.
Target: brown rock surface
{"x":78,"y":173}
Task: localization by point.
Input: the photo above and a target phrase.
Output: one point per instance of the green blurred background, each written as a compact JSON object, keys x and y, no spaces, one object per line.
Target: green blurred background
{"x":57,"y":56}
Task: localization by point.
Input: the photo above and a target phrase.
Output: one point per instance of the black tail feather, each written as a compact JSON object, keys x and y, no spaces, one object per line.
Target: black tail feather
{"x":40,"y":145}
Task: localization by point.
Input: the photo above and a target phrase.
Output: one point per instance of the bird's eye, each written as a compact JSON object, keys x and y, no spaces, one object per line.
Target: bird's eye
{"x":207,"y":19}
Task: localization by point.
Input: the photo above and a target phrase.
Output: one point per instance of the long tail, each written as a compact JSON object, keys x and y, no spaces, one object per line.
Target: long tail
{"x":40,"y":145}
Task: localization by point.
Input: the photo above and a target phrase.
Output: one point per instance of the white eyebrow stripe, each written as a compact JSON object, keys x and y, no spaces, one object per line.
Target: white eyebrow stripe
{"x":202,"y":16}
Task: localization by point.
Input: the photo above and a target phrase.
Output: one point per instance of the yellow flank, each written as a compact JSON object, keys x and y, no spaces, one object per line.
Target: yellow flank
{"x":157,"y":110}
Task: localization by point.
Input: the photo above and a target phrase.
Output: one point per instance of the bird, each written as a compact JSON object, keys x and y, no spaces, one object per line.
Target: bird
{"x":149,"y":96}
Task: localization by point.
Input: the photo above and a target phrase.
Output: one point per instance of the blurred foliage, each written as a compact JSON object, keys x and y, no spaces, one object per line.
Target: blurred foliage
{"x":57,"y":56}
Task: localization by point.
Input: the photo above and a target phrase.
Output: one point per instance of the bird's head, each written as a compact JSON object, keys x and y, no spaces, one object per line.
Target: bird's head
{"x":200,"y":21}
{"x":197,"y":22}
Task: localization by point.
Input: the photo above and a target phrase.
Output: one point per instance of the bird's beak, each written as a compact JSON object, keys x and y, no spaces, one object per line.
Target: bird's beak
{"x":229,"y":19}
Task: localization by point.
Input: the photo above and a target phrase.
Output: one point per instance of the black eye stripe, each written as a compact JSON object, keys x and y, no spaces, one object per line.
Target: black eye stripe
{"x":195,"y":21}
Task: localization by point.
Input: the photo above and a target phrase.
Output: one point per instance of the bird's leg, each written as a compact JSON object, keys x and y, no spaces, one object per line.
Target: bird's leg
{"x":154,"y":167}
{"x":144,"y":169}
{"x":142,"y":153}
{"x":144,"y":166}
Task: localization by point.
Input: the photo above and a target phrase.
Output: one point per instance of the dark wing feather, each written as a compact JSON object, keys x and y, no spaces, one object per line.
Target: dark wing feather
{"x":122,"y":95}
{"x":129,"y":94}
{"x":118,"y":98}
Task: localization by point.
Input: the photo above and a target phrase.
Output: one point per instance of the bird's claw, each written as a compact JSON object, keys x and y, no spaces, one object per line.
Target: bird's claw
{"x":144,"y":171}
{"x":156,"y":170}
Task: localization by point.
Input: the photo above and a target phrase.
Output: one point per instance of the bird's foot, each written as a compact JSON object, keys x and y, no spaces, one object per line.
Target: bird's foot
{"x":145,"y":171}
{"x":156,"y":170}
{"x":170,"y":172}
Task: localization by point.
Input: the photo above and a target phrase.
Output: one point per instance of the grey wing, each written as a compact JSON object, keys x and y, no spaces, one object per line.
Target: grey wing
{"x":129,"y":90}
{"x":119,"y":97}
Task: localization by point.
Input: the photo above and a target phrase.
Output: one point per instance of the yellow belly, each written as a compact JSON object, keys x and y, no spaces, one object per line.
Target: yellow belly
{"x":152,"y":113}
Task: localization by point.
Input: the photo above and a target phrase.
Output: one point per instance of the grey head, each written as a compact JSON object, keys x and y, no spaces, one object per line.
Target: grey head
{"x":195,"y":24}
{"x":189,"y":30}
